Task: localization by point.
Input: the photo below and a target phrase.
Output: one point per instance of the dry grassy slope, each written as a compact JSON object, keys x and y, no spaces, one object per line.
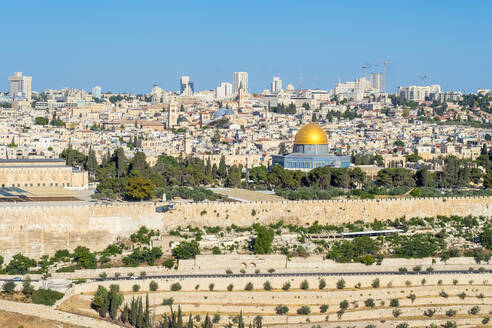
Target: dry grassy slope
{"x":260,"y":302}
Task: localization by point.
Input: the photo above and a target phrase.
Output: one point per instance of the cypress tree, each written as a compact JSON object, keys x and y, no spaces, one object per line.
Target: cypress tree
{"x":214,"y":171}
{"x":207,"y":323}
{"x":222,"y":168}
{"x":140,"y":318}
{"x":190,"y":322}
{"x":179,"y":323}
{"x":208,"y":168}
{"x":133,"y":312}
{"x":91,"y":161}
{"x":147,"y":312}
{"x":240,"y":323}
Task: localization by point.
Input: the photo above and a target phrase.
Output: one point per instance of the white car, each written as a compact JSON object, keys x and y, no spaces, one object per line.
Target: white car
{"x":134,"y":277}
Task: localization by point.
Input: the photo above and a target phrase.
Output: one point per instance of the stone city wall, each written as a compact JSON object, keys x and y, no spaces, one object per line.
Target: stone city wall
{"x":35,"y":230}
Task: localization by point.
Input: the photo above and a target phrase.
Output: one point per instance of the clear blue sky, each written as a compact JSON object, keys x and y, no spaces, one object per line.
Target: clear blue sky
{"x":127,"y":45}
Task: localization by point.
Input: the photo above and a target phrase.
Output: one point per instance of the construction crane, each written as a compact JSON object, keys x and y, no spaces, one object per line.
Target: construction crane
{"x":384,"y":72}
{"x":423,"y":77}
{"x":366,"y":68}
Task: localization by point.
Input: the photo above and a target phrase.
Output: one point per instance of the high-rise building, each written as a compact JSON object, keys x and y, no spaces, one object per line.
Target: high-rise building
{"x":419,"y":93}
{"x":376,"y":80}
{"x":172,"y":114}
{"x":20,"y":86}
{"x":276,"y":86}
{"x":240,"y":81}
{"x":96,"y":92}
{"x":223,"y":91}
{"x":186,"y":87}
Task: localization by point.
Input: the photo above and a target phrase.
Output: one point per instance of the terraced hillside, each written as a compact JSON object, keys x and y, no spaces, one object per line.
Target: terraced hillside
{"x":332,"y":301}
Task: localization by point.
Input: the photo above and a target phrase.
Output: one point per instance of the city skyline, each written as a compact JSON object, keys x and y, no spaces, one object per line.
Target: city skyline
{"x":335,"y":45}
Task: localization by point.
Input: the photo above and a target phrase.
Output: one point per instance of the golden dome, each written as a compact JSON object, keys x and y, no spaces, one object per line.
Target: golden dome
{"x":311,"y":134}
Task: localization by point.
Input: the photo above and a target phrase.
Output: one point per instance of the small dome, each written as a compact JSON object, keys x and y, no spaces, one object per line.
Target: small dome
{"x":221,"y":112}
{"x":311,"y":134}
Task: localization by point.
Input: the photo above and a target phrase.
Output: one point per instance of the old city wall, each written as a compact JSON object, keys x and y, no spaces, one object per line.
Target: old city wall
{"x":38,"y":230}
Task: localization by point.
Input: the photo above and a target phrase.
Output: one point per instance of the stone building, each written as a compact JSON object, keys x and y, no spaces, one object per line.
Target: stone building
{"x":40,"y":173}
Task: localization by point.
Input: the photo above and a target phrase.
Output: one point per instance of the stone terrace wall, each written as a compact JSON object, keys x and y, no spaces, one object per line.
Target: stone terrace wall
{"x":38,"y":230}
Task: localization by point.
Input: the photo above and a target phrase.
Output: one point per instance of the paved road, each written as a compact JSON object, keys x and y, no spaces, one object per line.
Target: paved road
{"x":293,"y":274}
{"x":274,"y":274}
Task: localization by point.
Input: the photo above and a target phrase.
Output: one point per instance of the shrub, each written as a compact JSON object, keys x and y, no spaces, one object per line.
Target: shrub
{"x":304,"y":310}
{"x":429,"y":312}
{"x":340,"y":313}
{"x":257,"y":271}
{"x":396,"y":313}
{"x":462,"y":295}
{"x":341,"y":284}
{"x":394,"y":302}
{"x":429,"y":269}
{"x":474,"y":310}
{"x":403,"y":270}
{"x":267,"y":285}
{"x":369,"y":303}
{"x":455,"y":282}
{"x":230,"y":287}
{"x":402,"y":325}
{"x":304,"y":285}
{"x":417,"y":268}
{"x":46,"y":297}
{"x":323,"y":308}
{"x":168,"y":301}
{"x":169,"y":263}
{"x":375,"y":283}
{"x":136,"y":288}
{"x":153,"y":286}
{"x":485,"y":320}
{"x":286,"y":286}
{"x":176,"y":287}
{"x":249,"y":286}
{"x":281,"y":309}
{"x":211,"y":287}
{"x":322,"y":284}
{"x":103,"y":275}
{"x":8,"y":287}
{"x":228,"y":271}
{"x":442,"y":293}
{"x":344,"y":305}
{"x":451,"y":313}
{"x":271,"y":270}
{"x":412,"y":297}
{"x":27,"y":288}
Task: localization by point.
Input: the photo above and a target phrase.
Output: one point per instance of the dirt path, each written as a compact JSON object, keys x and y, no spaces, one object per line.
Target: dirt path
{"x":43,"y":313}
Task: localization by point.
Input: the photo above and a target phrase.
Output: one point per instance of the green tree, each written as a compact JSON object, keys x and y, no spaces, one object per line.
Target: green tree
{"x":100,"y":301}
{"x":91,"y":161}
{"x":486,"y":237}
{"x":8,"y":287}
{"x":139,"y":188}
{"x":19,"y":264}
{"x":84,"y":258}
{"x":41,"y":120}
{"x":222,"y":171}
{"x":186,"y":250}
{"x":263,"y":240}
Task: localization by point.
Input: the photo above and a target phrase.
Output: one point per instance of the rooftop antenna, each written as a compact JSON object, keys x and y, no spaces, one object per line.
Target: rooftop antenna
{"x":384,"y":73}
{"x":423,"y":77}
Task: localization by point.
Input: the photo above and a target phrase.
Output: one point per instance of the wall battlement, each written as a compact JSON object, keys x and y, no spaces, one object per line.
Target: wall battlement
{"x":39,"y":230}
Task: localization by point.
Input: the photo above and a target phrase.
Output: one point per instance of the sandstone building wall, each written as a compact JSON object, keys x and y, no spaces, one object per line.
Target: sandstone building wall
{"x":37,"y":230}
